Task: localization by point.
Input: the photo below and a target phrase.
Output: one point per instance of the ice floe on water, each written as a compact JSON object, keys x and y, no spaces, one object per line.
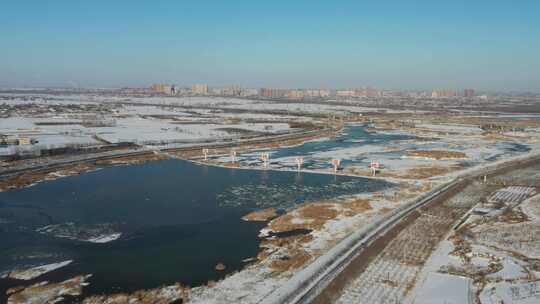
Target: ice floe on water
{"x":105,"y":238}
{"x":97,"y":233}
{"x":261,"y":196}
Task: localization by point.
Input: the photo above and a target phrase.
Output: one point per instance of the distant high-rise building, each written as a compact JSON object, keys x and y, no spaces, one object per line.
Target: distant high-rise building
{"x":316,"y":93}
{"x":468,"y":93}
{"x":443,"y":93}
{"x":163,"y":88}
{"x":418,"y":94}
{"x":199,"y":89}
{"x":295,"y":94}
{"x":249,"y":92}
{"x":370,"y":92}
{"x":157,"y":88}
{"x":232,"y":90}
{"x":345,"y":93}
{"x":390,"y":93}
{"x":271,"y":93}
{"x":367,"y":92}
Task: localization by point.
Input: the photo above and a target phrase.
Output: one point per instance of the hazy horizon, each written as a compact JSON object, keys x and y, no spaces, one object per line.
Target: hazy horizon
{"x":485,"y":45}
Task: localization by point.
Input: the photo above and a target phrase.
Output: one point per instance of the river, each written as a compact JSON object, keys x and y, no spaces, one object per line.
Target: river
{"x":177,"y":220}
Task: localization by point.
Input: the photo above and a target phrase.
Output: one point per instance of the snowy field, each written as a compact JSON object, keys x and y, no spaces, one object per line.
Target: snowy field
{"x":128,"y":123}
{"x":194,"y":102}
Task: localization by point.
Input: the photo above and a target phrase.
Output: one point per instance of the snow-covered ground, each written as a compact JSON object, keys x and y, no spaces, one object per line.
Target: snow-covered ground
{"x":251,"y":285}
{"x":452,"y":128}
{"x":45,"y":292}
{"x":444,"y":289}
{"x":190,"y":102}
{"x":356,"y":154}
{"x":497,"y":251}
{"x":138,"y":124}
{"x":34,"y":272}
{"x":390,"y":274}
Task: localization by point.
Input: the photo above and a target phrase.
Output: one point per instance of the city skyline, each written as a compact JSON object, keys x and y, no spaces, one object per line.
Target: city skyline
{"x":486,"y":45}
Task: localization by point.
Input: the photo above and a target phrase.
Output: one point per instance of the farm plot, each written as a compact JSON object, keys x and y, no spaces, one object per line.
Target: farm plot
{"x":393,"y":273}
{"x":498,"y":252}
{"x":522,"y":237}
{"x":512,"y":195}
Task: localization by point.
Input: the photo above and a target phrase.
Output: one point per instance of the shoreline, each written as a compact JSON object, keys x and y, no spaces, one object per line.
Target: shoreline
{"x":131,"y":157}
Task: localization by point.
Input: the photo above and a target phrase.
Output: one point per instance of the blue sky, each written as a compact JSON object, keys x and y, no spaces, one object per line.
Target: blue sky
{"x":487,"y":45}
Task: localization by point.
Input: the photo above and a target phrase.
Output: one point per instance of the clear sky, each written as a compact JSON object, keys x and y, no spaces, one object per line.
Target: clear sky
{"x":487,"y":45}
